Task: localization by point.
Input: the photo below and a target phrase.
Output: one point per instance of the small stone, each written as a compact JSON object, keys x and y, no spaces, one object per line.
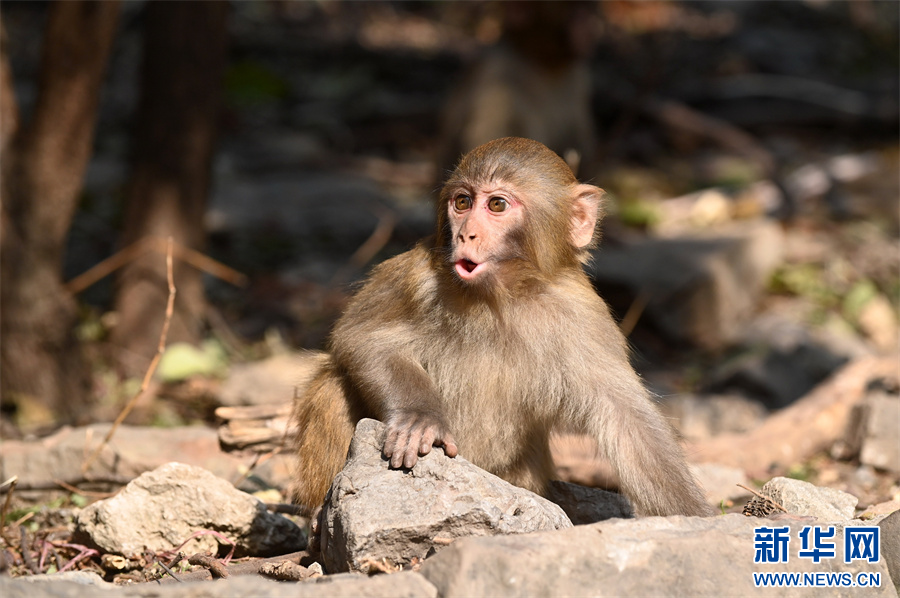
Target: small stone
{"x":162,"y":508}
{"x":586,"y":505}
{"x":802,"y":498}
{"x":880,"y":446}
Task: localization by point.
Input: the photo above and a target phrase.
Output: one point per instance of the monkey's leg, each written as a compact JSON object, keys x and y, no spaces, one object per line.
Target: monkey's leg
{"x":325,"y":428}
{"x":534,"y":468}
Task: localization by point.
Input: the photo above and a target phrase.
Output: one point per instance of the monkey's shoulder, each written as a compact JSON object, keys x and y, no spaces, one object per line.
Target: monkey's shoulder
{"x":395,"y":286}
{"x":569,"y":308}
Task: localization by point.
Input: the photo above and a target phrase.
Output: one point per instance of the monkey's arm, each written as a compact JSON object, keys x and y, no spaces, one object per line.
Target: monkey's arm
{"x":645,"y":453}
{"x":621,"y":414}
{"x":374,"y":346}
{"x":410,"y":406}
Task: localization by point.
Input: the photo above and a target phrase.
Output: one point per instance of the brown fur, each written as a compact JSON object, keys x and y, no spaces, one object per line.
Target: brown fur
{"x":495,"y":364}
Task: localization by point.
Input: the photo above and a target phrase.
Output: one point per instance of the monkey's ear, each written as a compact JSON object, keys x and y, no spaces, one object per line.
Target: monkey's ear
{"x":587,"y":208}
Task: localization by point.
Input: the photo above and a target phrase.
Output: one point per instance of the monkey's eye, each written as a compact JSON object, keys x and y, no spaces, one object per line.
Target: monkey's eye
{"x":462,"y":203}
{"x":498,"y":204}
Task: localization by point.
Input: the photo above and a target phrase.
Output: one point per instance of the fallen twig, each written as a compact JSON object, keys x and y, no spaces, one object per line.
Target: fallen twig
{"x":161,"y":347}
{"x":808,"y":426}
{"x":168,"y":570}
{"x":285,"y":571}
{"x":23,"y":518}
{"x":70,"y":484}
{"x":26,"y":552}
{"x":75,"y":490}
{"x":216,"y":568}
{"x":11,"y":484}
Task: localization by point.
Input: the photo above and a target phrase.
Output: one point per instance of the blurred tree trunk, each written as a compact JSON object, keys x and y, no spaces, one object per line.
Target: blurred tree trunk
{"x":43,"y":165}
{"x":176,"y":123}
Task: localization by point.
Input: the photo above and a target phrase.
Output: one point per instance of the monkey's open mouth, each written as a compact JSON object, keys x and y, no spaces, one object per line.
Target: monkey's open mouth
{"x":466,"y":268}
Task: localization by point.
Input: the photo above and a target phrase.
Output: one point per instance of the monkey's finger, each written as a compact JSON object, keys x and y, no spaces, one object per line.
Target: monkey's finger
{"x":390,"y":442}
{"x":412,"y":449}
{"x":400,"y":449}
{"x":449,"y":444}
{"x":428,"y":439}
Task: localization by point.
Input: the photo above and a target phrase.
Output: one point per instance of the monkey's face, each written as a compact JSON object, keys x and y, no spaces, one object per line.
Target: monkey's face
{"x":483,"y":222}
{"x":511,"y":215}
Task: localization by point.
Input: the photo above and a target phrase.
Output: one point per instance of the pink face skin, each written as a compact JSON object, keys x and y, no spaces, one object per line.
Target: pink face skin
{"x":480,"y":219}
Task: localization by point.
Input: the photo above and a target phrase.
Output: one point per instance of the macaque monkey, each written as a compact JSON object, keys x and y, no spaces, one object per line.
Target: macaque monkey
{"x":485,"y":338}
{"x":534,"y":82}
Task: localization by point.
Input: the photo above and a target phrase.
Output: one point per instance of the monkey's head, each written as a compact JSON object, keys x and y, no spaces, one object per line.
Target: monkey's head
{"x":512,"y":211}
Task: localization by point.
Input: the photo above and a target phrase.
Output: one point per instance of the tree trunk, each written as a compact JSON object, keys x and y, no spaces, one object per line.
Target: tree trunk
{"x":183,"y":65}
{"x":42,"y":172}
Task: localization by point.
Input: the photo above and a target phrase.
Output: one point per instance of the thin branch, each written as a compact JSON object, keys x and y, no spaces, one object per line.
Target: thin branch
{"x":763,"y":497}
{"x":18,"y":522}
{"x":70,"y":484}
{"x":145,"y":384}
{"x":75,"y":490}
{"x":207,"y":264}
{"x":139,"y":248}
{"x":634,"y":313}
{"x":258,"y":459}
{"x":26,"y":551}
{"x":375,"y":243}
{"x":11,"y":482}
{"x":109,"y":265}
{"x":215,"y":567}
{"x":168,"y":570}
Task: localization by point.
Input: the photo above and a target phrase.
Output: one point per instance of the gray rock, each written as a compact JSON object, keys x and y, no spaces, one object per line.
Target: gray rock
{"x":879,"y":511}
{"x":161,"y":509}
{"x":21,"y":587}
{"x":81,"y":578}
{"x":780,"y":359}
{"x":720,"y":482}
{"x":698,"y":417}
{"x":890,"y":545}
{"x":653,"y":556}
{"x":402,"y":585}
{"x":803,"y":498}
{"x":776,"y":375}
{"x":586,"y":505}
{"x":880,"y":445}
{"x":271,"y":380}
{"x":374,"y":513}
{"x":132,"y":451}
{"x":702,"y":288}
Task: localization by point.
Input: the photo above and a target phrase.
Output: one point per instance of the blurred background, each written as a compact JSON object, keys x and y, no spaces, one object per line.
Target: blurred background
{"x":749,"y":150}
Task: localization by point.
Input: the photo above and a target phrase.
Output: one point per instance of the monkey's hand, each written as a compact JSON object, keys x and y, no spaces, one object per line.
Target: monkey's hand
{"x":411,"y":434}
